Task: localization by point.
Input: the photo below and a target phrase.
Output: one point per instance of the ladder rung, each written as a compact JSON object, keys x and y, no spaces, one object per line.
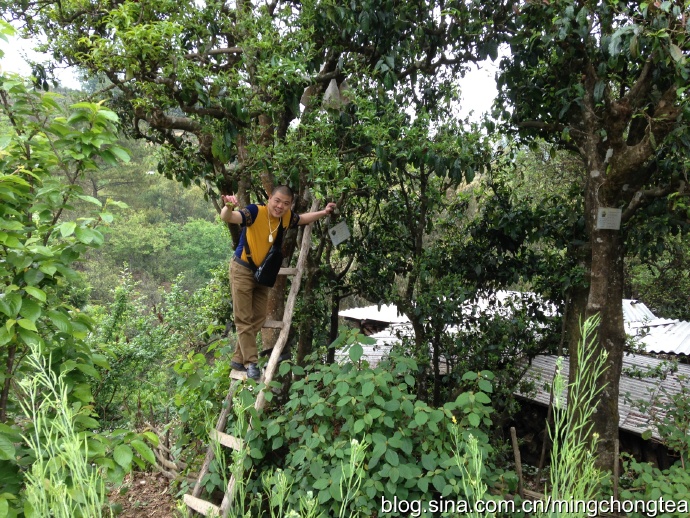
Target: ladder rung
{"x":238,"y":375}
{"x":274,"y":324}
{"x":287,"y":271}
{"x":201,"y":506}
{"x":226,"y":440}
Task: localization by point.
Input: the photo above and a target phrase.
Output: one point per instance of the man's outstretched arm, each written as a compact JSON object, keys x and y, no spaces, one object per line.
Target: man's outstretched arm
{"x":310,"y":217}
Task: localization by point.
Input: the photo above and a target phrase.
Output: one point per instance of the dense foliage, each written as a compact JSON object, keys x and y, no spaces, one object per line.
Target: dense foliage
{"x":44,"y":149}
{"x":354,"y":103}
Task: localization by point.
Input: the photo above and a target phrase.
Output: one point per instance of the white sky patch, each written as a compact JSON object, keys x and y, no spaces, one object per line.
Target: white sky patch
{"x":478,"y":90}
{"x":18,"y":50}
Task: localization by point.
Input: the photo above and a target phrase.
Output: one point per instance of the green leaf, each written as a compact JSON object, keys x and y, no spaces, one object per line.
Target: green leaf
{"x":89,"y":369}
{"x":408,"y":407}
{"x":368,"y":389}
{"x":120,"y":153}
{"x":485,"y":386}
{"x":5,"y":335}
{"x":321,"y":483}
{"x":86,"y":421}
{"x":10,"y":304}
{"x":67,"y":228}
{"x":143,"y":450}
{"x":392,"y":457}
{"x":36,"y":293}
{"x":48,"y":268}
{"x":90,"y":199}
{"x":676,"y":53}
{"x":101,"y":361}
{"x":85,"y":235}
{"x":4,"y":508}
{"x":284,"y":368}
{"x":272,"y":429}
{"x":152,"y":437}
{"x":423,"y":484}
{"x":30,"y":310}
{"x":356,"y":352}
{"x":341,"y":388}
{"x":29,"y":337}
{"x":123,"y":456}
{"x":25,"y":323}
{"x":61,"y":321}
{"x":33,"y":276}
{"x":482,"y":398}
{"x":429,"y":462}
{"x":7,"y":451}
{"x":474,"y":419}
{"x":439,"y":483}
{"x":421,"y":418}
{"x":107,"y":114}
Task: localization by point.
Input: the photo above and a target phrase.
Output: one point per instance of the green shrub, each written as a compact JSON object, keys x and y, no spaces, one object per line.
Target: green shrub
{"x":410,"y":444}
{"x":642,"y":481}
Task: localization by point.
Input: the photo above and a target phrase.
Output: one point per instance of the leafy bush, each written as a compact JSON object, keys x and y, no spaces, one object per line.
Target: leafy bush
{"x":44,"y":150}
{"x":642,"y":481}
{"x":410,"y":453}
{"x":154,"y":351}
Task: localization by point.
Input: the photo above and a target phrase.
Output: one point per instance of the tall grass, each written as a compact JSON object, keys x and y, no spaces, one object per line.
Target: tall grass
{"x":471,"y":466}
{"x":353,"y":472}
{"x":574,"y":476}
{"x":61,"y":482}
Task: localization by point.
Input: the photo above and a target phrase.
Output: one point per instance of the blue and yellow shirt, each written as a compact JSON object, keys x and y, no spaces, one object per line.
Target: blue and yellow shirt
{"x":255,"y":220}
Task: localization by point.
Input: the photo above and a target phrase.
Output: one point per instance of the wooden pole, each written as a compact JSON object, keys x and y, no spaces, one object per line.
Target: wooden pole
{"x":616,"y":468}
{"x":518,"y":462}
{"x":542,"y":459}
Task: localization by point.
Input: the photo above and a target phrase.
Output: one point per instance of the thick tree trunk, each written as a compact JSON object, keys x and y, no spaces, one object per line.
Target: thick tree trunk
{"x":605,"y":296}
{"x":306,"y":331}
{"x":605,"y":299}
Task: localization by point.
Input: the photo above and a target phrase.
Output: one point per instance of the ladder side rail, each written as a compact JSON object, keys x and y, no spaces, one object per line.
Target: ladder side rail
{"x":270,"y":369}
{"x":220,"y":427}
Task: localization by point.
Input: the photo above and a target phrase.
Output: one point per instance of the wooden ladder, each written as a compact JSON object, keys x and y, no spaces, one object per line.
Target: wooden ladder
{"x":193,"y":501}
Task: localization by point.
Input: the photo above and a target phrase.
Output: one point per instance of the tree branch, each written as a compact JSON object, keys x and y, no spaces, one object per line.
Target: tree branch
{"x":644,"y":197}
{"x":213,"y":52}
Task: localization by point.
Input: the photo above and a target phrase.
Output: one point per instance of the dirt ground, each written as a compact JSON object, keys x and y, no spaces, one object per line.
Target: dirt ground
{"x":144,"y":495}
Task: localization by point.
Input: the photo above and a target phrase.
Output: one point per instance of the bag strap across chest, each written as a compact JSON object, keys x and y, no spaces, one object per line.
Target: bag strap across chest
{"x":277,"y":244}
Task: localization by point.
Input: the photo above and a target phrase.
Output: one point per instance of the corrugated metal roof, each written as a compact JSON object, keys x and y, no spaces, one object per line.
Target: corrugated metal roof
{"x":632,"y":387}
{"x":657,"y":335}
{"x":636,"y":311}
{"x":669,"y":337}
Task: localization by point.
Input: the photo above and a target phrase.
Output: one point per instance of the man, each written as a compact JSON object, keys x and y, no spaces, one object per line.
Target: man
{"x":250,"y":299}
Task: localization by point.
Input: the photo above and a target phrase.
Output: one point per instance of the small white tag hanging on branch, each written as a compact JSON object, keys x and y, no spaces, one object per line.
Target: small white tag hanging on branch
{"x":609,"y":218}
{"x":339,"y":232}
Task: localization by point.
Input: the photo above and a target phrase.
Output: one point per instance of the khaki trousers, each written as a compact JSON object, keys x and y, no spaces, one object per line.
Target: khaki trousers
{"x":250,"y":306}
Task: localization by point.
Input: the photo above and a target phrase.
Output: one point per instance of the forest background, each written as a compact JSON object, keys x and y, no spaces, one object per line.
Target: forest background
{"x":133,"y":303}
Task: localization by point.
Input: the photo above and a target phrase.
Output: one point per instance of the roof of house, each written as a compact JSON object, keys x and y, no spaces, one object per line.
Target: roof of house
{"x":656,"y":335}
{"x":635,"y":384}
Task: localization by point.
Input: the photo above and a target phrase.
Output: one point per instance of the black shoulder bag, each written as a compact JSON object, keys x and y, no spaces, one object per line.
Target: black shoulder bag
{"x":267,"y":272}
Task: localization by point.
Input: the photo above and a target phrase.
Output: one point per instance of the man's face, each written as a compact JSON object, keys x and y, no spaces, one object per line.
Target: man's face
{"x":278,"y":204}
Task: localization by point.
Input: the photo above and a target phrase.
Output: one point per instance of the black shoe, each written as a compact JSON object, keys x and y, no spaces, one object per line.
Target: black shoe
{"x":253,"y":371}
{"x":237,"y":366}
